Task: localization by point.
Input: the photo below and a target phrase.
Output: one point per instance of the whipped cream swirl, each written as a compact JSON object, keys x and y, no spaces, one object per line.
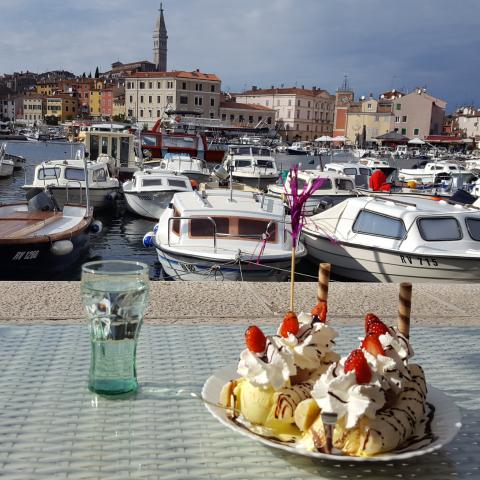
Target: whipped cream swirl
{"x":271,"y":368}
{"x":337,"y":392}
{"x":312,"y":345}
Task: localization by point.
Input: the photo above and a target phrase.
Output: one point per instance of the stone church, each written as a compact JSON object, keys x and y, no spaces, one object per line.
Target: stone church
{"x":160,"y":38}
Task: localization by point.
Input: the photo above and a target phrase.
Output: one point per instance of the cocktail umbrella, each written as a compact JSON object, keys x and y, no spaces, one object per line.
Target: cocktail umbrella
{"x":296,"y":202}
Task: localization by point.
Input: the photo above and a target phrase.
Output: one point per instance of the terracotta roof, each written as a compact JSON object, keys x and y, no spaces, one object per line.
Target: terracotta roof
{"x":244,"y":106}
{"x":284,"y":91}
{"x":195,"y":75}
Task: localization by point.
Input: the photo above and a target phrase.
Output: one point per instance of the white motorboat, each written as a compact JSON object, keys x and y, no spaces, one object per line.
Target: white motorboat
{"x":301,"y":148}
{"x":182,"y":164}
{"x":225,"y":235}
{"x":150,"y":192}
{"x":357,"y":171}
{"x":66,"y":179}
{"x":397,"y":239}
{"x":336,"y":188}
{"x":252,"y":165}
{"x":374,"y":163}
{"x":432,"y":172}
{"x":18,"y":160}
{"x":6,"y":164}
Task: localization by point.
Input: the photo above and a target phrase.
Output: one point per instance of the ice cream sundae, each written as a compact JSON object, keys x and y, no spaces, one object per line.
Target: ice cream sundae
{"x":277,"y":372}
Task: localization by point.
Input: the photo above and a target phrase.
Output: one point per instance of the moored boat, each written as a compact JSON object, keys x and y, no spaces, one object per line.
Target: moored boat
{"x":397,"y":239}
{"x":150,"y":192}
{"x":224,"y":235}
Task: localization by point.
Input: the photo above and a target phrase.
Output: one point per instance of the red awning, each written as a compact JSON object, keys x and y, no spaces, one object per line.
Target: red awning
{"x":442,"y":139}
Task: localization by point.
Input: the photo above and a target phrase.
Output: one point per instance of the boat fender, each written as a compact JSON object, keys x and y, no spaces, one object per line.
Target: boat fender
{"x":96,"y":226}
{"x":61,"y":247}
{"x":148,"y":239}
{"x":155,"y":229}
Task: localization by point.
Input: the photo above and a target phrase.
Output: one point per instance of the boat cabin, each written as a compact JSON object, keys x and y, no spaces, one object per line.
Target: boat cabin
{"x":357,"y":171}
{"x":220,"y":215}
{"x":151,"y":181}
{"x":250,"y":156}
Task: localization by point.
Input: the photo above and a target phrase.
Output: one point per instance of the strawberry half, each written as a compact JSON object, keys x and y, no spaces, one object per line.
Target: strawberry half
{"x":255,"y":339}
{"x":357,"y":362}
{"x":289,"y":325}
{"x":319,"y":312}
{"x":372,"y":344}
{"x":377,"y":328}
{"x":369,"y":319}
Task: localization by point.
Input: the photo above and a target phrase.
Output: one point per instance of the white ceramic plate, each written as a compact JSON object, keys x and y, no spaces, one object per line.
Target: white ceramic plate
{"x":445,"y":425}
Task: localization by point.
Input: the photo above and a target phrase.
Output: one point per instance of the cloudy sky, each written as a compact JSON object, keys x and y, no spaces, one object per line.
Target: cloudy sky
{"x":378,"y":44}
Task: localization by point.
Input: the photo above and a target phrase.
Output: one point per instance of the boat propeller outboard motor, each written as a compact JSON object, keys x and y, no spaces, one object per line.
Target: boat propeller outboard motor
{"x":40,"y":200}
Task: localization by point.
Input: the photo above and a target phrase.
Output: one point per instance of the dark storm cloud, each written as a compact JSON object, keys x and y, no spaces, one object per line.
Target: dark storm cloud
{"x":379,"y":44}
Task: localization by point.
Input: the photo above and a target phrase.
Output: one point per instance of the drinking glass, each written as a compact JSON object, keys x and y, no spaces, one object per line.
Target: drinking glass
{"x":114,"y":295}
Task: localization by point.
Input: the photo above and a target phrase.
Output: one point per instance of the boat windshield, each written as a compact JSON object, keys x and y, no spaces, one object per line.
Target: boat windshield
{"x":265,"y":163}
{"x":473,"y":227}
{"x":264,"y":152}
{"x":50,"y":172}
{"x":233,"y":228}
{"x":243,"y":163}
{"x":74,"y":174}
{"x":350,"y":171}
{"x":439,"y":229}
{"x":344,"y":184}
{"x":177,"y":183}
{"x":151,"y":182}
{"x":241,"y":151}
{"x":372,"y":223}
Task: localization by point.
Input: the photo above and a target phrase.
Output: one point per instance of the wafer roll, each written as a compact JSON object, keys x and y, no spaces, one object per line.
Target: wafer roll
{"x":404,"y":308}
{"x":323,"y":280}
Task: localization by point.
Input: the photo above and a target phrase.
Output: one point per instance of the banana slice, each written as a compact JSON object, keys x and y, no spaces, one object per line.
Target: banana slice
{"x":306,"y":413}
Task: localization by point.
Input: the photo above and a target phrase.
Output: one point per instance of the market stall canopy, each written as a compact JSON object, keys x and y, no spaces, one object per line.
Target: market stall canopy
{"x":416,"y":141}
{"x":324,"y":138}
{"x":442,"y":139}
{"x":393,"y":137}
{"x":339,"y":138}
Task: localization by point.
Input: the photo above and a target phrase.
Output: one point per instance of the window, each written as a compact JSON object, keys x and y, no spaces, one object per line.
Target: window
{"x":202,"y":227}
{"x":473,"y":227}
{"x":265,"y":163}
{"x":75,"y":174}
{"x":158,"y":113}
{"x":198,"y":87}
{"x":439,"y":229}
{"x":99,"y":175}
{"x":250,"y":119}
{"x":158,"y":98}
{"x":240,"y":118}
{"x":150,"y":99}
{"x":309,"y":104}
{"x":298,"y":103}
{"x":232,"y":118}
{"x":224,"y":116}
{"x":169,"y":99}
{"x":50,"y":172}
{"x":365,"y":171}
{"x":212,"y":88}
{"x":404,"y":131}
{"x":142,"y":85}
{"x":131,"y":98}
{"x":104,"y":143}
{"x":289,"y":103}
{"x":170,"y":84}
{"x":369,"y":106}
{"x":184,"y":85}
{"x":151,"y":182}
{"x":159,"y":84}
{"x":398,"y":106}
{"x":344,"y":184}
{"x":212,"y":102}
{"x":177,"y":183}
{"x":254,"y":229}
{"x":150,"y":84}
{"x":371,"y":223}
{"x":198,"y":101}
{"x":404,"y":118}
{"x":176,"y":223}
{"x":416,"y":131}
{"x":141,"y":113}
{"x":397,"y":119}
{"x":141,"y":98}
{"x":289,"y":113}
{"x":183,"y":100}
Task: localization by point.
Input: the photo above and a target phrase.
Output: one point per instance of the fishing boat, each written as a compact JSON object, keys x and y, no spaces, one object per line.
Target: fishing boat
{"x":40,"y":239}
{"x":182,"y":164}
{"x":433,"y":172}
{"x":6,"y":164}
{"x":66,"y":179}
{"x":335,"y":188}
{"x":301,"y":148}
{"x":150,"y":192}
{"x":18,"y":161}
{"x":253,"y":165}
{"x":397,"y":239}
{"x":224,"y":235}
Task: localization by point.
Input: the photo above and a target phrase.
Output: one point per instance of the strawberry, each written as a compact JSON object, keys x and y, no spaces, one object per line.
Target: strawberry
{"x":255,"y":339}
{"x":377,"y":328}
{"x":370,"y":318}
{"x":372,"y":344}
{"x":319,"y":311}
{"x":289,"y":324}
{"x":356,"y":361}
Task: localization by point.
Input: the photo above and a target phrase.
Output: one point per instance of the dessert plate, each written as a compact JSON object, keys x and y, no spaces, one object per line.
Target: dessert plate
{"x":445,"y":424}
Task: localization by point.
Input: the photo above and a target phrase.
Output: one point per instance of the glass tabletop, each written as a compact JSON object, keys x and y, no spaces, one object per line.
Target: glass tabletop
{"x":51,"y":426}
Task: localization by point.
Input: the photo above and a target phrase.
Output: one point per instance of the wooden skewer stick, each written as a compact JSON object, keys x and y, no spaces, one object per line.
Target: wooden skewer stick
{"x":404,"y":307}
{"x":323,"y":279}
{"x":292,"y":281}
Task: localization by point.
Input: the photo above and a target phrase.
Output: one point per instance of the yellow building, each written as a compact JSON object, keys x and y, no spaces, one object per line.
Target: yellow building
{"x":62,"y":106}
{"x":95,"y":103}
{"x":370,"y":116}
{"x":46,"y":88}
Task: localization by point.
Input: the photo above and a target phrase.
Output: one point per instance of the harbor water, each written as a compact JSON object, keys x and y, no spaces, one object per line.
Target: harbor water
{"x":122,"y":233}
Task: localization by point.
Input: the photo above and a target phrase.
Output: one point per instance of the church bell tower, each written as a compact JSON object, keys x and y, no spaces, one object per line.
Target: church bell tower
{"x":160,"y":38}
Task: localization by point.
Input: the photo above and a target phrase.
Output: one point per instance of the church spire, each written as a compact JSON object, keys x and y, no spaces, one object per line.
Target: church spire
{"x":160,"y":39}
